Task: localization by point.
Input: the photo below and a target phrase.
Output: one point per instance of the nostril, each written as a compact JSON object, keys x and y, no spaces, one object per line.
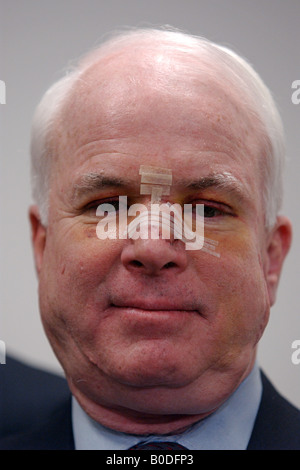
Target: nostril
{"x":136,"y":263}
{"x":153,"y":257}
{"x":169,"y":265}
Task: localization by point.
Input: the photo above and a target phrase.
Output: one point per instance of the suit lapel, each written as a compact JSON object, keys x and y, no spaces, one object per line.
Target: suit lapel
{"x":53,"y":434}
{"x":277,"y":424}
{"x":59,"y":435}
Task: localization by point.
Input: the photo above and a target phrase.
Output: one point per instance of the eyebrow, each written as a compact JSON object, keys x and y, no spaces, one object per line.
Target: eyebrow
{"x":223,"y":181}
{"x":92,"y":182}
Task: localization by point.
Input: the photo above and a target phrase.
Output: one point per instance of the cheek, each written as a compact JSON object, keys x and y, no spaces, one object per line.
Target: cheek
{"x":238,"y":289}
{"x":74,"y":271}
{"x":73,"y":275}
{"x":80,"y":258}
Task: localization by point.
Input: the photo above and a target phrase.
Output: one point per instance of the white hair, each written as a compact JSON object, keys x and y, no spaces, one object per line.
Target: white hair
{"x":221,"y":64}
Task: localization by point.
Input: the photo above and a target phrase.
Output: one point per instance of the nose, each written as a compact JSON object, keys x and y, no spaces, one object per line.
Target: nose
{"x":154,"y":257}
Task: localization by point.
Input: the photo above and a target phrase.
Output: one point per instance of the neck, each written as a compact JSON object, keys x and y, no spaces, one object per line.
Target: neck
{"x":132,"y":422}
{"x":158,"y":410}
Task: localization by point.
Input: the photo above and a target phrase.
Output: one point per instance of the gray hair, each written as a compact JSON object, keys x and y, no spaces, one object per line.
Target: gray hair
{"x":220,"y":61}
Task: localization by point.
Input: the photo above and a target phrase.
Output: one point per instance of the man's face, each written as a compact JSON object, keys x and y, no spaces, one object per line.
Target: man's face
{"x":145,"y":327}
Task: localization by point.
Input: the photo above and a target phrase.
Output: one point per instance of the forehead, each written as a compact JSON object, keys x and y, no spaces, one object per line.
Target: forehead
{"x":157,"y":104}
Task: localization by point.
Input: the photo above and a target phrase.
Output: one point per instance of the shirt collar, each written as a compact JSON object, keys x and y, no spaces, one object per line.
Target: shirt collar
{"x":228,"y":428}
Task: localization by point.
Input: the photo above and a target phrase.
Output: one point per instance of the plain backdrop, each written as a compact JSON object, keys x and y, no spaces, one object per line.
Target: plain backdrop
{"x":38,"y":38}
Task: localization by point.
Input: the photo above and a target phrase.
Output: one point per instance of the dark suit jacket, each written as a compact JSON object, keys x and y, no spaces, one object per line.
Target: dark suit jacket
{"x":277,"y":427}
{"x":28,"y":396}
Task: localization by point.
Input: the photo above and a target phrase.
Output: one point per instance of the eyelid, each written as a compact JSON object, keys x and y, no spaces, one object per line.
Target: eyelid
{"x":221,"y":206}
{"x":98,"y":202}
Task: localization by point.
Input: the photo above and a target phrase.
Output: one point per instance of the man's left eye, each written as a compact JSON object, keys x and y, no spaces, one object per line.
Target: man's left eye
{"x":210,"y":211}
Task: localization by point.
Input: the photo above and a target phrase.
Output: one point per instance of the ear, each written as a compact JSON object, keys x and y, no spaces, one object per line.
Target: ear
{"x":278,"y":245}
{"x":38,"y":236}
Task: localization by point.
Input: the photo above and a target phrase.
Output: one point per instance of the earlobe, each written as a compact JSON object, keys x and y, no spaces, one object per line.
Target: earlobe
{"x":38,"y":236}
{"x":279,"y":242}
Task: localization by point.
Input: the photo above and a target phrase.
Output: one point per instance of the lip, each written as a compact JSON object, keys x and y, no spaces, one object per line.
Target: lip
{"x":154,"y":322}
{"x":153,"y":306}
{"x":155,"y":318}
{"x":179,"y":301}
{"x":154,"y":309}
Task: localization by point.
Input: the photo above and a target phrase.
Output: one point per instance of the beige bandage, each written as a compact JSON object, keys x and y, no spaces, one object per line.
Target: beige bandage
{"x":155,"y":181}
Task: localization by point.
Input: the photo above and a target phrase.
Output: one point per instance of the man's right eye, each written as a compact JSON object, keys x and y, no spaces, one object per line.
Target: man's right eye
{"x":102,"y":206}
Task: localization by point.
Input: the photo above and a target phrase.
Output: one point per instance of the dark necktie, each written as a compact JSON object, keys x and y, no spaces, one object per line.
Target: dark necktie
{"x":156,"y":445}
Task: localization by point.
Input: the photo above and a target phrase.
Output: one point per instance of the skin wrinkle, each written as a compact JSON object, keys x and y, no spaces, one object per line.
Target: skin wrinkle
{"x":130,"y":369}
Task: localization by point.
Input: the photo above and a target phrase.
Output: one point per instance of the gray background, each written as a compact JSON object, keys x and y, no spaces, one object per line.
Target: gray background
{"x":37,"y":39}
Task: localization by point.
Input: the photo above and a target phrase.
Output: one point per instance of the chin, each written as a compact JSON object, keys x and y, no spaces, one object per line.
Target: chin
{"x":153,"y":372}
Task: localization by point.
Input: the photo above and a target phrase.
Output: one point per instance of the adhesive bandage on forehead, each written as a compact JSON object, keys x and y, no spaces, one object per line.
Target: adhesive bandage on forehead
{"x":155,"y":181}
